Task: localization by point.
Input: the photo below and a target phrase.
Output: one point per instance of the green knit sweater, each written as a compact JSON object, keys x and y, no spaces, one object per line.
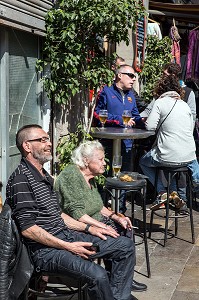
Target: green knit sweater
{"x":76,"y":198}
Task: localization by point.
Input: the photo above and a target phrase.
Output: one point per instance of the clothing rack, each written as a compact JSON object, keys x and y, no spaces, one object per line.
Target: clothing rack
{"x":195,"y":28}
{"x":153,"y":21}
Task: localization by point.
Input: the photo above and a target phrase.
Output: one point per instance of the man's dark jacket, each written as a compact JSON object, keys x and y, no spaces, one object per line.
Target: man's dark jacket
{"x":15,"y":265}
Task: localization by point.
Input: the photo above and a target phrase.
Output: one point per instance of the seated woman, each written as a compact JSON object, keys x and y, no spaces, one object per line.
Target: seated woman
{"x":172,"y":119}
{"x":80,"y":198}
{"x":78,"y":192}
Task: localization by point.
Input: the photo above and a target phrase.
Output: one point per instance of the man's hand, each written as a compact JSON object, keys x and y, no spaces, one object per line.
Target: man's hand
{"x":102,"y":232}
{"x":131,"y":122}
{"x":80,"y":249}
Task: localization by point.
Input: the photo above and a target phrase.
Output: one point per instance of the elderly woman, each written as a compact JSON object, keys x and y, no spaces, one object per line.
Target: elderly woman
{"x":78,"y":192}
{"x":80,"y":198}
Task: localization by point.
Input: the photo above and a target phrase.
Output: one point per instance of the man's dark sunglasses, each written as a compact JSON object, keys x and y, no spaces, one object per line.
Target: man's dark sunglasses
{"x":43,"y":139}
{"x":131,"y":75}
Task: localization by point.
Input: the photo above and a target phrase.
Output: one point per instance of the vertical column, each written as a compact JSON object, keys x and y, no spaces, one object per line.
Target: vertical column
{"x":4,"y":109}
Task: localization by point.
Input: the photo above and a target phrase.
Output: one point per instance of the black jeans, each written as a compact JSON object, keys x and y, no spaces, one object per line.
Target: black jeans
{"x":120,"y":250}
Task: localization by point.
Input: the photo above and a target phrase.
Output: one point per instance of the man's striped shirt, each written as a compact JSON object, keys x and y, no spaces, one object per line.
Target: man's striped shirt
{"x":33,"y":200}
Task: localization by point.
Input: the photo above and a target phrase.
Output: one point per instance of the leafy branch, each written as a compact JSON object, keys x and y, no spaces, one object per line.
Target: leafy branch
{"x":158,"y":53}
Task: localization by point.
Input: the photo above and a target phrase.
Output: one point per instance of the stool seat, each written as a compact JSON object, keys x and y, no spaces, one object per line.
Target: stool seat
{"x":116,"y":183}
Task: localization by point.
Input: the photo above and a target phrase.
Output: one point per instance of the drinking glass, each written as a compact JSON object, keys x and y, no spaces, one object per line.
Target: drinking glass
{"x":116,"y":165}
{"x":103,"y":115}
{"x":126,"y":116}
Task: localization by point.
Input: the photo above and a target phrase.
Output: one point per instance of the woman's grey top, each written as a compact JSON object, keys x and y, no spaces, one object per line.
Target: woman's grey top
{"x":175,"y":142}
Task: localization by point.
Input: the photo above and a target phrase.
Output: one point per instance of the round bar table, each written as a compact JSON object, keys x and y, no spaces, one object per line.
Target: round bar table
{"x":118,"y":133}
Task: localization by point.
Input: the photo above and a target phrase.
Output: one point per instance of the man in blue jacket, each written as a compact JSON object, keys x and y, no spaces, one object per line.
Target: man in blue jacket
{"x":116,"y":99}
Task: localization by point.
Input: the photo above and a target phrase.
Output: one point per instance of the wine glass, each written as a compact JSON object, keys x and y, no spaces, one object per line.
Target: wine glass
{"x":126,"y":116}
{"x":116,"y":165}
{"x":103,"y":115}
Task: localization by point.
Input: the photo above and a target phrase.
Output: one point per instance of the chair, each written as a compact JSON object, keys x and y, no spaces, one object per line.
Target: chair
{"x":18,"y":279}
{"x":55,"y":286}
{"x":174,"y":172}
{"x":114,"y":186}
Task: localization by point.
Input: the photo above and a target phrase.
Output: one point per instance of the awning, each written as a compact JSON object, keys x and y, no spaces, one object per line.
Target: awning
{"x":182,"y":12}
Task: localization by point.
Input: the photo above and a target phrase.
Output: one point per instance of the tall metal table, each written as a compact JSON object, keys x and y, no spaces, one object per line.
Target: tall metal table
{"x":118,"y":133}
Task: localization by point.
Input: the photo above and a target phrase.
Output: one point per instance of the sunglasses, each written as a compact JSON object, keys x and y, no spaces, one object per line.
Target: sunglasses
{"x":43,"y":139}
{"x":131,"y":75}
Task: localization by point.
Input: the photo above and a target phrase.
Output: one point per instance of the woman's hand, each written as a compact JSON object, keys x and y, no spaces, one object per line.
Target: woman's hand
{"x":103,"y":232}
{"x":124,"y":222}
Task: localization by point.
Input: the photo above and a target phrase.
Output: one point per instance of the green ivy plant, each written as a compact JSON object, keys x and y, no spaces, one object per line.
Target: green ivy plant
{"x":75,"y":33}
{"x":158,"y":53}
{"x":70,"y":142}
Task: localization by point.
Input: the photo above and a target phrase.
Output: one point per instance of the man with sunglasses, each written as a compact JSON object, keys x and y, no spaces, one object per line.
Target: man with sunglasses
{"x":58,"y":243}
{"x":117,"y":98}
{"x":119,"y":61}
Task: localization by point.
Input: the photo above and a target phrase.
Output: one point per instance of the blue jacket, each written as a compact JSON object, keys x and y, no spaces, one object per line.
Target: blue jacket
{"x":111,"y":99}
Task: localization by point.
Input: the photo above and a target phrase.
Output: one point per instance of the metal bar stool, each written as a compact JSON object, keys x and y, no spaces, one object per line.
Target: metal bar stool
{"x":174,"y":172}
{"x":113,"y":186}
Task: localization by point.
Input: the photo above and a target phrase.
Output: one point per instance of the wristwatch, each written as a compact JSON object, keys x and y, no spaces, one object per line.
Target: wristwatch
{"x":87,"y":228}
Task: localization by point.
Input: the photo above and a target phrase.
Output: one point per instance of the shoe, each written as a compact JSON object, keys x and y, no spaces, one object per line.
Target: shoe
{"x":138,"y":287}
{"x":184,"y":211}
{"x":159,"y":202}
{"x":175,"y":201}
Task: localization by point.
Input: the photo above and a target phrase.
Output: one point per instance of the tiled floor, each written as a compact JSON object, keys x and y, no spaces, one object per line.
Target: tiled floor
{"x":174,"y":268}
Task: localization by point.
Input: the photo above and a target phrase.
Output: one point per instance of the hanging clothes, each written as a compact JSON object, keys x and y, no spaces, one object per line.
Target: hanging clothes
{"x":192,"y":73}
{"x":175,"y":50}
{"x":154,"y":29}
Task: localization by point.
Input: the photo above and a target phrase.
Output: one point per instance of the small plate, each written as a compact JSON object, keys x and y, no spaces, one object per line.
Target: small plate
{"x":134,"y":175}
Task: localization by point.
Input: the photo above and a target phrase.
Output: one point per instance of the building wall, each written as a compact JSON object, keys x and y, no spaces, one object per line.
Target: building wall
{"x":128,"y":52}
{"x":22,"y":101}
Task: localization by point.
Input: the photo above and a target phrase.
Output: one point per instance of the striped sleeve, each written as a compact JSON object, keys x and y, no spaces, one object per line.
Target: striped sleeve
{"x":25,"y":209}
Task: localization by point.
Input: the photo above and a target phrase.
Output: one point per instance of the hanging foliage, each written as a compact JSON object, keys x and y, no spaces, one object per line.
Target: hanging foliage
{"x":158,"y":53}
{"x":75,"y":33}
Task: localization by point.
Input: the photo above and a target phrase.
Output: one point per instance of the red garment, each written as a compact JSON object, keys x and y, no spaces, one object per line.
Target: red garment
{"x":175,"y":51}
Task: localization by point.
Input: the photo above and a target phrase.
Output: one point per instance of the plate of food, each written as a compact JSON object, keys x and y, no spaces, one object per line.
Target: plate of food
{"x":131,"y":176}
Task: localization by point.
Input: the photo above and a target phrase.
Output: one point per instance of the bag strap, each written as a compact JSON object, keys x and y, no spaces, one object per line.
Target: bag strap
{"x":165,"y":117}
